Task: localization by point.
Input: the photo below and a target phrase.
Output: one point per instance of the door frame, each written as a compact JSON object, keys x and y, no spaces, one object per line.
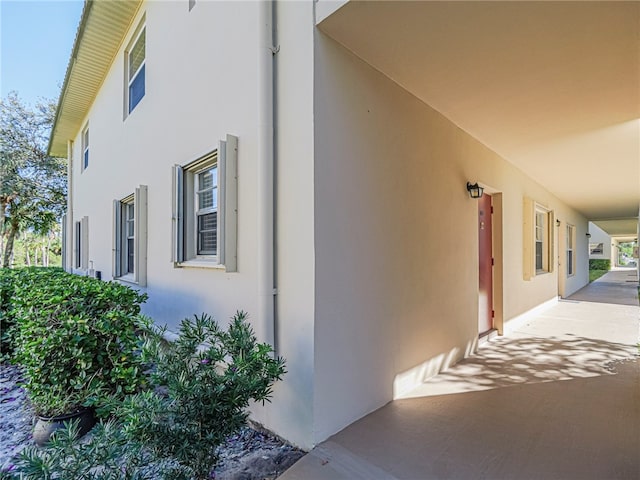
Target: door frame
{"x":498,"y":258}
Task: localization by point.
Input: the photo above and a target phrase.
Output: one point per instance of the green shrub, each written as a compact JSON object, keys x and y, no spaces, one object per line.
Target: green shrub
{"x":34,"y":276}
{"x":599,"y":264}
{"x":106,"y":455}
{"x":78,"y":340}
{"x":205,"y":381}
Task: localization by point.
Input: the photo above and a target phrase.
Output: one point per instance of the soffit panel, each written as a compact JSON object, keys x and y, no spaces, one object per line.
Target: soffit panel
{"x":102,"y":28}
{"x":552,"y":87}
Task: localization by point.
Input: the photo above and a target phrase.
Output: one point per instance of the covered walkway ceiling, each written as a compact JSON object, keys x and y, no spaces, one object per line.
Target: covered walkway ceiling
{"x":553,"y":87}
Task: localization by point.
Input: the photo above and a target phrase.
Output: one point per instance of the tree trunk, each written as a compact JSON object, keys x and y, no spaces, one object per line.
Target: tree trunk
{"x":8,"y":251}
{"x":3,"y":207}
{"x":35,"y":255}
{"x":45,"y":257}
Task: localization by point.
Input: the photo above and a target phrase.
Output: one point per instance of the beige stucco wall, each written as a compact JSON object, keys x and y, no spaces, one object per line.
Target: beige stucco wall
{"x":396,"y":241}
{"x":202,"y":84}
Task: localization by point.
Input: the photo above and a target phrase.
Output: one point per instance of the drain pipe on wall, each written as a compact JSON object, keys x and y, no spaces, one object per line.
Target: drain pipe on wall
{"x":266,"y":281}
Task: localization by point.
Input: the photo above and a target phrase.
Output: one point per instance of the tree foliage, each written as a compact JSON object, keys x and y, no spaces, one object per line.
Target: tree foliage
{"x":32,"y":184}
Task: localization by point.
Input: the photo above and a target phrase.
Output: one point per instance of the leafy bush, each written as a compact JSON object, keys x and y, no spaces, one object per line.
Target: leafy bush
{"x":107,"y":455}
{"x":77,"y":338}
{"x":599,"y":264}
{"x":33,"y":276}
{"x":205,"y":381}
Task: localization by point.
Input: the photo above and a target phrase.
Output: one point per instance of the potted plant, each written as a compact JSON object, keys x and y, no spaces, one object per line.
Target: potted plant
{"x":78,"y":340}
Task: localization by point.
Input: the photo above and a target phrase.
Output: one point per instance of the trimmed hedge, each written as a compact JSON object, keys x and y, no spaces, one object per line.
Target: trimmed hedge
{"x":599,"y":264}
{"x":78,"y":338}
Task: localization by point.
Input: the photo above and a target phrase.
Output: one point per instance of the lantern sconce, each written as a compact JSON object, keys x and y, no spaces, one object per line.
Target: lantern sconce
{"x":557,"y":223}
{"x":475,"y":191}
{"x":588,"y":235}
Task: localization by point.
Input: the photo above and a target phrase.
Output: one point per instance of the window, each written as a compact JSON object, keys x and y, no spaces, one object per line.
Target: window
{"x":571,"y":241}
{"x":130,"y":237}
{"x":63,"y":232}
{"x":85,"y":148}
{"x":135,"y":68}
{"x":81,"y":244}
{"x":206,"y":200}
{"x":542,"y":239}
{"x":204,"y":209}
{"x":538,"y":234}
{"x":78,"y":245}
{"x":596,"y":248}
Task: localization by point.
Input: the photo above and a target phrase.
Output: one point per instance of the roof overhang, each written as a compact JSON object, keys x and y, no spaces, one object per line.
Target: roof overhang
{"x":102,"y":28}
{"x":552,"y":87}
{"x":619,"y":227}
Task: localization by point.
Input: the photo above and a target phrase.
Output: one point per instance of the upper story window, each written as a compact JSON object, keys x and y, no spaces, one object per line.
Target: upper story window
{"x":135,"y":66}
{"x":85,"y":148}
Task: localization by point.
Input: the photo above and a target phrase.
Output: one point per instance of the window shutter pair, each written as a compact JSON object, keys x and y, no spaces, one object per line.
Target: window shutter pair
{"x":140,"y":236}
{"x":227,"y":161}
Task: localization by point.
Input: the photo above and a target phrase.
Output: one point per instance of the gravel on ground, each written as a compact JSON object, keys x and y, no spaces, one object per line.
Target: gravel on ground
{"x":251,"y":454}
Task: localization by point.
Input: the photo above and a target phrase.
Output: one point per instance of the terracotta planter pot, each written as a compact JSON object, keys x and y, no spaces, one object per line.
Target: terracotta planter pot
{"x":45,"y":426}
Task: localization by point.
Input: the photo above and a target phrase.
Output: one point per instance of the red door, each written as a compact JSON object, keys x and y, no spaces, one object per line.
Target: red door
{"x":485,"y":297}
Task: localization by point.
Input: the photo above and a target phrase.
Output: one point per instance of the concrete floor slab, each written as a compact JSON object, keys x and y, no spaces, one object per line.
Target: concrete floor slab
{"x":559,"y":399}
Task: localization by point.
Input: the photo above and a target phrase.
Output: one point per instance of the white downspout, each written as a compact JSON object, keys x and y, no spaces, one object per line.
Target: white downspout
{"x":266,"y":289}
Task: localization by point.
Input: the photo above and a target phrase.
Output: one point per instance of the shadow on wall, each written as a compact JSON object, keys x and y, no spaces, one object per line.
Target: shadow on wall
{"x":169,"y":306}
{"x":507,"y":362}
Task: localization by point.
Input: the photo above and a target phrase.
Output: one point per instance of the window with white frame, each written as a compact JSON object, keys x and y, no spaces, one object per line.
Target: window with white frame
{"x":204,"y":209}
{"x":77,"y":245}
{"x":542,"y":241}
{"x":596,"y":248}
{"x":538,"y":239}
{"x":81,"y":244}
{"x":135,"y":57}
{"x":85,"y":148}
{"x":130,"y":237}
{"x":571,"y":248}
{"x":206,"y":205}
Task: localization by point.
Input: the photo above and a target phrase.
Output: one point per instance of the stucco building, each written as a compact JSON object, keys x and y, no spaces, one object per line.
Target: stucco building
{"x":308,"y":162}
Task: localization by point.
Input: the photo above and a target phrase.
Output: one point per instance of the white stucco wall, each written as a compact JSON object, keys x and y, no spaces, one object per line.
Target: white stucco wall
{"x":396,"y":240}
{"x":600,"y":236}
{"x":202,"y":84}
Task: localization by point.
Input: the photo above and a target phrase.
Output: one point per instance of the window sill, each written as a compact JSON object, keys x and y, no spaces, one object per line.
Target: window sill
{"x":541,"y":272}
{"x":196,"y":263}
{"x":127,"y":279}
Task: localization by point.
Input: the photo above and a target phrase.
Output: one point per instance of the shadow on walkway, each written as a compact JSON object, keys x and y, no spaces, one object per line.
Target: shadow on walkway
{"x":571,"y":409}
{"x":508,"y":362}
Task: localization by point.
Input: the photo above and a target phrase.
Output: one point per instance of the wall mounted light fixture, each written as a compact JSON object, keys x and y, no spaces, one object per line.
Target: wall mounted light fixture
{"x":557,"y":223}
{"x":475,"y":191}
{"x":588,"y":235}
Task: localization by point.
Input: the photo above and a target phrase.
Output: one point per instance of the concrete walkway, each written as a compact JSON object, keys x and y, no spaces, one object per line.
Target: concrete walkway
{"x":571,"y":409}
